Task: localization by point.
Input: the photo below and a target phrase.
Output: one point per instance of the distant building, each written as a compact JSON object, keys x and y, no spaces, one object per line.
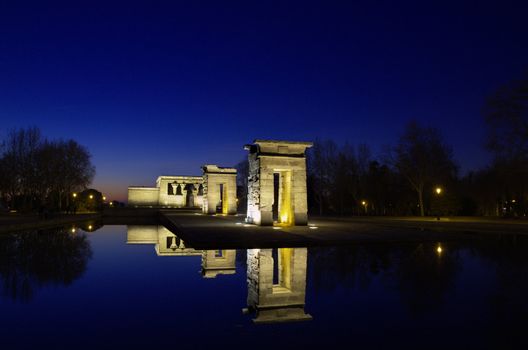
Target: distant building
{"x":170,"y":191}
{"x":214,"y":191}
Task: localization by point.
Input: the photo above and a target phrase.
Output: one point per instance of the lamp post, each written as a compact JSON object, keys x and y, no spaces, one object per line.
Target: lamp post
{"x":438,"y":191}
{"x":364,"y":204}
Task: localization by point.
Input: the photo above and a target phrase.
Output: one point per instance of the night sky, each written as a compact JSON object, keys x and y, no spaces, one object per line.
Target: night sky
{"x":156,"y":88}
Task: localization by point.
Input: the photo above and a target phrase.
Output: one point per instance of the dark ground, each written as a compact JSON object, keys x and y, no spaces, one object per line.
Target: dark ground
{"x":210,"y":232}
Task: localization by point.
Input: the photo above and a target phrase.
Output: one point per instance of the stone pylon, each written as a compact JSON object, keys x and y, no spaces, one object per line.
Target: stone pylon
{"x":277,"y":182}
{"x":219,"y":190}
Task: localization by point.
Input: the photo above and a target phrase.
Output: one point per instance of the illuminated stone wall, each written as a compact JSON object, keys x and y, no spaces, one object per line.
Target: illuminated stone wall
{"x":188,"y":185}
{"x":281,"y":301}
{"x":170,"y":191}
{"x":143,"y":196}
{"x":213,"y":177}
{"x":288,"y":160}
{"x":218,"y":262}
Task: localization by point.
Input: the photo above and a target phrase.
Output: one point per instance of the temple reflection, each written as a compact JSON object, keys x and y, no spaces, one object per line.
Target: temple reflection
{"x":277,"y":284}
{"x":214,"y":262}
{"x":218,"y":262}
{"x":165,"y":242}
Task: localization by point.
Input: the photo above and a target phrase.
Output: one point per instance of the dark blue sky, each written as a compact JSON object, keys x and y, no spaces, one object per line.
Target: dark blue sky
{"x":163,"y":87}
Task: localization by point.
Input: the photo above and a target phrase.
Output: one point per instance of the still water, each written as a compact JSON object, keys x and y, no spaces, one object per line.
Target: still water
{"x":142,"y":287}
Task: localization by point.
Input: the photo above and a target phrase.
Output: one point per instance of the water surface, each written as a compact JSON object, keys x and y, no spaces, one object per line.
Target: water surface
{"x":141,"y":286}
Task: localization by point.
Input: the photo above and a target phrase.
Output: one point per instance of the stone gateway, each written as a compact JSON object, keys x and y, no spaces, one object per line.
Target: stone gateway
{"x":276,"y":186}
{"x":277,"y":183}
{"x":219,"y":190}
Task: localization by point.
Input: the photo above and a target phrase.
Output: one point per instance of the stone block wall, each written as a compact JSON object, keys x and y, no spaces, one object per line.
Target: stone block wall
{"x":253,"y":200}
{"x":160,"y":196}
{"x":143,"y":196}
{"x":176,"y":200}
{"x":287,"y":159}
{"x":213,"y":177}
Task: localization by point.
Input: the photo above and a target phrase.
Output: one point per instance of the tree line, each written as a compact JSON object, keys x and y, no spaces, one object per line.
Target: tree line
{"x":418,"y":175}
{"x":36,"y":172}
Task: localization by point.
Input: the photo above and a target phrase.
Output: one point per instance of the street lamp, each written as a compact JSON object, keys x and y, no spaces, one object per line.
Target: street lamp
{"x":91,"y":196}
{"x":364,"y":204}
{"x":438,"y":191}
{"x":74,"y":195}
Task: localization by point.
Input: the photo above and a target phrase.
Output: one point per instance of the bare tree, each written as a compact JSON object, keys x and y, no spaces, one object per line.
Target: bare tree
{"x":506,"y":115}
{"x":19,"y":158}
{"x":34,"y":171}
{"x":321,"y":168}
{"x":423,"y":158}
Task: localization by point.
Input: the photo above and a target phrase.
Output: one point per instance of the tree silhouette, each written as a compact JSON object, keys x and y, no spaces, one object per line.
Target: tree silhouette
{"x":423,"y":158}
{"x":31,"y":260}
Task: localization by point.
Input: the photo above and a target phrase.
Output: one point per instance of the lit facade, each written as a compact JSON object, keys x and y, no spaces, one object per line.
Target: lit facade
{"x":219,"y":190}
{"x":277,"y":183}
{"x":170,"y":191}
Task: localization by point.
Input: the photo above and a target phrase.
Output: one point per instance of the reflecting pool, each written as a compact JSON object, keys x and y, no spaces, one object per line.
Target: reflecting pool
{"x":142,"y":286}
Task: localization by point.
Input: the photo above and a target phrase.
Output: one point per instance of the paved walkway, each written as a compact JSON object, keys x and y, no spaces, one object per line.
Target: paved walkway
{"x":211,"y":232}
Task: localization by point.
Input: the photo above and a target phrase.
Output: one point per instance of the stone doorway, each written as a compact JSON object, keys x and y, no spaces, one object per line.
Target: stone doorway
{"x":189,"y":197}
{"x":282,"y":202}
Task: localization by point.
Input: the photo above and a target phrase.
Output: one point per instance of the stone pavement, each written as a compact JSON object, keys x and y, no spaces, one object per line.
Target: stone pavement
{"x":213,"y":232}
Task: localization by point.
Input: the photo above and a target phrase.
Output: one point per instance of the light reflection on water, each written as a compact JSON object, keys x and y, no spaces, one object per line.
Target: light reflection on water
{"x":142,"y":285}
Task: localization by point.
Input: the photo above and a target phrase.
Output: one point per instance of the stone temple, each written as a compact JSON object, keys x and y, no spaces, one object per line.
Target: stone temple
{"x":219,"y":190}
{"x":277,"y":183}
{"x":214,"y":191}
{"x":170,"y":191}
{"x":276,"y":186}
{"x":166,"y":243}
